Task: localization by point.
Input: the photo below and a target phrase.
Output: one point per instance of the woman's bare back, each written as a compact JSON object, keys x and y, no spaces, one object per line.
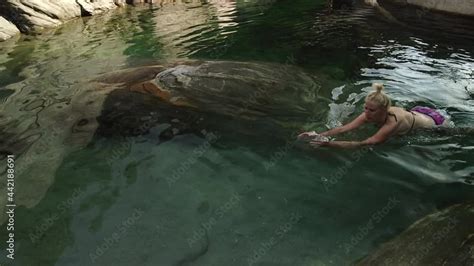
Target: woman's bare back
{"x":408,"y":121}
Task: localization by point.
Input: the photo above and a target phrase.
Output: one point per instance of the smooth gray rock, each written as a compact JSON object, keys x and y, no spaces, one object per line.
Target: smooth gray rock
{"x":244,"y":87}
{"x":7,"y":29}
{"x":264,"y":97}
{"x":237,"y":89}
{"x":460,"y":7}
{"x":36,"y":15}
{"x":120,"y":2}
{"x":442,"y":238}
{"x":96,"y":7}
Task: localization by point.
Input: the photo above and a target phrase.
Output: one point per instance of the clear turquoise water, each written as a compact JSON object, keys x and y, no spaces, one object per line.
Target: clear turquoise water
{"x":245,"y":194}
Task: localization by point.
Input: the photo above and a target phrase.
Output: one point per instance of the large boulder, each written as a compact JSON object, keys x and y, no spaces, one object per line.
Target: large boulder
{"x":233,"y":88}
{"x":192,"y":96}
{"x":442,"y":238}
{"x":7,"y":29}
{"x":35,"y":15}
{"x":263,"y":97}
{"x":90,"y":8}
{"x":461,"y":7}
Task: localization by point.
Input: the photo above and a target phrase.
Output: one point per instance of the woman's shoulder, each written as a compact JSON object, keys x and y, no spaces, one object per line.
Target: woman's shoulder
{"x":399,"y":113}
{"x":396,"y":109}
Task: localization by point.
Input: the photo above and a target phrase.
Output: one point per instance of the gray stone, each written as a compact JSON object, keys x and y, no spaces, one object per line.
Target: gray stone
{"x":251,"y":92}
{"x":36,"y":15}
{"x":442,"y":238}
{"x":371,"y":2}
{"x":120,"y":2}
{"x":96,"y":7}
{"x":246,"y":88}
{"x":460,"y":7}
{"x":7,"y":29}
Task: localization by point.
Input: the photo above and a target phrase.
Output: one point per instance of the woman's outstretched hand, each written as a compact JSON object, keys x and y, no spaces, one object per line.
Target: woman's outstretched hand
{"x":319,"y":143}
{"x":314,"y":139}
{"x":307,"y":135}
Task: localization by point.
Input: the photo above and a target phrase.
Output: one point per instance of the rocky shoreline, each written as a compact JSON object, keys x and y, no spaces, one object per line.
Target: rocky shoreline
{"x":30,"y":16}
{"x":442,"y":238}
{"x":455,"y":7}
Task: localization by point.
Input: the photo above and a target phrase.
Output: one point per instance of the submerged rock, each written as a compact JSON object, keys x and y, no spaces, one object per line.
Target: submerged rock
{"x":442,"y":238}
{"x":158,"y":102}
{"x":243,"y":89}
{"x":42,"y":142}
{"x":262,"y":97}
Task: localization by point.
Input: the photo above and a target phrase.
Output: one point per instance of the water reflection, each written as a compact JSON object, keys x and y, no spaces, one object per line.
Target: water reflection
{"x":50,"y":108}
{"x":412,"y":72}
{"x":179,"y":26}
{"x":188,"y":28}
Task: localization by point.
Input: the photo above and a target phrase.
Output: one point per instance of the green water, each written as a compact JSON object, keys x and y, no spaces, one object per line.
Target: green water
{"x":226,"y":191}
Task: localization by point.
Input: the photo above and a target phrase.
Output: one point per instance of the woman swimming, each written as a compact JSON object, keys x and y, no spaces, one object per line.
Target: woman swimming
{"x":378,"y":110}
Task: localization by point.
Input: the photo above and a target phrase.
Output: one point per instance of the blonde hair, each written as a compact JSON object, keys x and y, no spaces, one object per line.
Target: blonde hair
{"x":378,"y":96}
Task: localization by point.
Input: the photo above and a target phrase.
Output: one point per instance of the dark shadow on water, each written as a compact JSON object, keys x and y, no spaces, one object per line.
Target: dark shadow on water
{"x":21,"y":57}
{"x":128,"y":114}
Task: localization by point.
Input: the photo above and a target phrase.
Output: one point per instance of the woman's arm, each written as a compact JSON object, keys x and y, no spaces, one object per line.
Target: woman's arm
{"x":339,"y":144}
{"x":381,"y":136}
{"x":360,"y":120}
